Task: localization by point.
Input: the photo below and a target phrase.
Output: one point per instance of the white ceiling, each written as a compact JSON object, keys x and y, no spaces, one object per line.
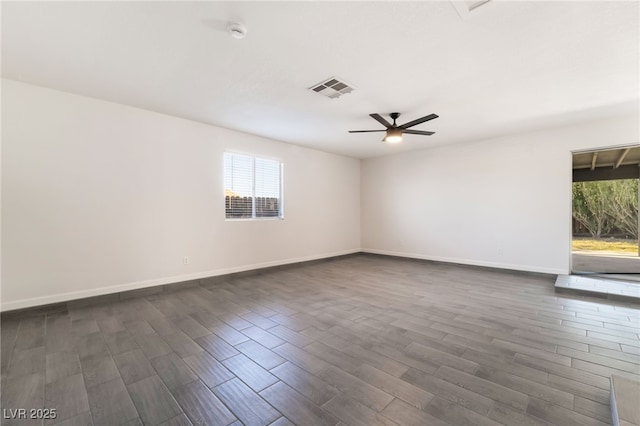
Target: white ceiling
{"x":506,"y":67}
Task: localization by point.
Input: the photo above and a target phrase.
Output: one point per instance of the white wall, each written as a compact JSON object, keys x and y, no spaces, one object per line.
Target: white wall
{"x":98,"y":197}
{"x":503,"y":202}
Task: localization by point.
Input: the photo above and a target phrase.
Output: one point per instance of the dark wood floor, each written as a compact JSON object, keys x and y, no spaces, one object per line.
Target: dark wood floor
{"x":362,"y":340}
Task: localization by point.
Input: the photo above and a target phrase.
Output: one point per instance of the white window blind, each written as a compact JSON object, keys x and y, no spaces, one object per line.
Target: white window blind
{"x":252,"y":187}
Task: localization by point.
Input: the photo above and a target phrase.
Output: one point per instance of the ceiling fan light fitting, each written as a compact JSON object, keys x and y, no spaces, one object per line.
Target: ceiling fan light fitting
{"x":393,"y":131}
{"x":393,"y":136}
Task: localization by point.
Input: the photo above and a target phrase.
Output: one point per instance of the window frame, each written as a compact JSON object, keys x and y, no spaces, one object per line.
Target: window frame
{"x":253,"y":217}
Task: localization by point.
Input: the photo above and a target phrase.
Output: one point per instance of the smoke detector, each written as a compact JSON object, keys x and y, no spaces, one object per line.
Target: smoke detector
{"x":237,"y":30}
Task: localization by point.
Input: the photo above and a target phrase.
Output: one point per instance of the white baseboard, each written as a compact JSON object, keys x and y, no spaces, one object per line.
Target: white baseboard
{"x":516,"y":267}
{"x":101,"y":291}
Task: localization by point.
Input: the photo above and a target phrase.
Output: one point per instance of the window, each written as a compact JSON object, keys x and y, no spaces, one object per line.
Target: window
{"x":252,"y":187}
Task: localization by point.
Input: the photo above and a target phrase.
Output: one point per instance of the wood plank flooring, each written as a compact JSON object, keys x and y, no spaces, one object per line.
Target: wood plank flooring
{"x":362,"y":340}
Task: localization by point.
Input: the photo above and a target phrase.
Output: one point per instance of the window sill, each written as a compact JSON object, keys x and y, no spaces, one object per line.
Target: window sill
{"x":253,"y":219}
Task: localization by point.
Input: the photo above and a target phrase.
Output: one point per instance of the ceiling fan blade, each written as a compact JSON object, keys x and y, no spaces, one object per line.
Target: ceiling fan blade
{"x":418,"y":121}
{"x":380,"y":120}
{"x":365,"y":131}
{"x":418,"y":132}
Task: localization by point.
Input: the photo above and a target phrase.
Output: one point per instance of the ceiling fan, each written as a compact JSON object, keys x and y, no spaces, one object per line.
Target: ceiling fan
{"x":394,"y":131}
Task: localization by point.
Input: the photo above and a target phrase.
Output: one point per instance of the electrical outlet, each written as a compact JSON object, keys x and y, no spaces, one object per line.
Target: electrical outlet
{"x":500,"y":251}
{"x":185,"y":260}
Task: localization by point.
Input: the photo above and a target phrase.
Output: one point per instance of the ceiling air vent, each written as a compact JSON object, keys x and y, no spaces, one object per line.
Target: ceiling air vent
{"x":465,"y":8}
{"x":332,"y":88}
